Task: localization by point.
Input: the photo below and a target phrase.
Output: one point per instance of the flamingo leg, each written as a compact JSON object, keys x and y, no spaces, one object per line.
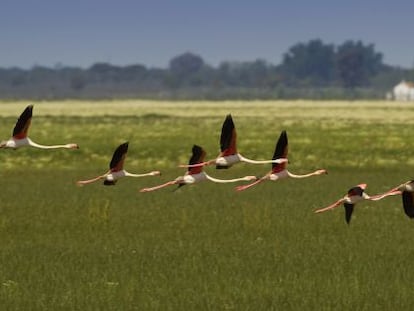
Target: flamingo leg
{"x":386,"y":194}
{"x":198,"y":164}
{"x":89,"y":181}
{"x":244,"y":187}
{"x":336,"y":204}
{"x":170,"y":183}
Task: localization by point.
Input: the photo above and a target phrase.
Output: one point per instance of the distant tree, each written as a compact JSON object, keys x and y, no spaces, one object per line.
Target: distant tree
{"x":256,"y":74}
{"x":16,"y":76}
{"x":186,"y":64}
{"x":313,"y":61}
{"x":357,"y":63}
{"x":134,"y":72}
{"x":184,"y":70}
{"x":77,"y":82}
{"x":105,"y":72}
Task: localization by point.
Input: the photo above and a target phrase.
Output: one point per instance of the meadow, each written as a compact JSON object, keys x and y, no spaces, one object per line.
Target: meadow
{"x":206,"y":246}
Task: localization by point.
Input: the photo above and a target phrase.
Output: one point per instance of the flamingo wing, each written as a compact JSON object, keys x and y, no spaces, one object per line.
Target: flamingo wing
{"x":349,"y":209}
{"x":118,"y":158}
{"x":23,"y":123}
{"x":198,"y":155}
{"x":228,"y":137}
{"x":281,"y":151}
{"x":408,"y":203}
{"x":357,"y":190}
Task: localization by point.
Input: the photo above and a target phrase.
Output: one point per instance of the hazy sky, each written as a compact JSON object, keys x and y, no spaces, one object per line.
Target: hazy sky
{"x":151,"y":32}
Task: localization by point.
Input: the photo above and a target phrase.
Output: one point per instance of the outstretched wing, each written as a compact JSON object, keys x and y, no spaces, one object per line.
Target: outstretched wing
{"x":118,"y":158}
{"x":408,"y":203}
{"x":228,"y":137}
{"x":281,"y":151}
{"x":23,"y":123}
{"x":349,"y":209}
{"x":357,"y":190}
{"x":198,"y":155}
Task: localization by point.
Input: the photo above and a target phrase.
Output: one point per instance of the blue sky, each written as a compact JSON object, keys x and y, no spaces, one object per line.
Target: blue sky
{"x":123,"y":32}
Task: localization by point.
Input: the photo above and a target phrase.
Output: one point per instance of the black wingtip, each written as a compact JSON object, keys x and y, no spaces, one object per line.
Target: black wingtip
{"x":349,"y":208}
{"x":29,"y":110}
{"x":109,"y":182}
{"x":281,"y":146}
{"x":179,"y":186}
{"x":222,"y":167}
{"x":408,"y":203}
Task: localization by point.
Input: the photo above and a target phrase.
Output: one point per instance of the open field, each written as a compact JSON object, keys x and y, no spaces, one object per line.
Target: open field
{"x":206,"y":247}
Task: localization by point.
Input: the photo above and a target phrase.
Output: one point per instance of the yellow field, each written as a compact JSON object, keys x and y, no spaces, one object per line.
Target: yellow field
{"x":366,"y":111}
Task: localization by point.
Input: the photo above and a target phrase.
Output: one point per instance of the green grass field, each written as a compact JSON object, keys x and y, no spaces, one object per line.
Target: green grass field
{"x":206,"y":247}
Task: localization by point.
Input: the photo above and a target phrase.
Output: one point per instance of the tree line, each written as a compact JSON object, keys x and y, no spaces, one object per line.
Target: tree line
{"x":314,"y":70}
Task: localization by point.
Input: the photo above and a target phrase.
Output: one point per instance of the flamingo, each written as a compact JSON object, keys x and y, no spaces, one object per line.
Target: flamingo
{"x":355,"y":195}
{"x":20,"y":131}
{"x":116,"y":169}
{"x":279,"y":170}
{"x":228,"y":146}
{"x":195,"y":173}
{"x":407,"y":191}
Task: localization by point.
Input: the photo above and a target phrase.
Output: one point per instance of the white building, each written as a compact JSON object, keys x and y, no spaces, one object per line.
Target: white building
{"x":404,"y":91}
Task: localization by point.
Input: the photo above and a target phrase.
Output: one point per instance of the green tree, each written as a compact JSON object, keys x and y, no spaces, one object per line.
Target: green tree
{"x":357,"y":63}
{"x":312,"y":63}
{"x":186,"y":64}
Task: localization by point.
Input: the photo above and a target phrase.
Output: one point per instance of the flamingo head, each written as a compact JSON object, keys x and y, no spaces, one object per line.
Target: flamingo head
{"x":72,"y":146}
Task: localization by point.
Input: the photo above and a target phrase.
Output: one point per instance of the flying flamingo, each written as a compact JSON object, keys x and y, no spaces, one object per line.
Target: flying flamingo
{"x":195,"y":173}
{"x":116,"y":169}
{"x":279,"y":170}
{"x":228,"y":146}
{"x":355,"y":195}
{"x":407,"y":191}
{"x":20,"y":139}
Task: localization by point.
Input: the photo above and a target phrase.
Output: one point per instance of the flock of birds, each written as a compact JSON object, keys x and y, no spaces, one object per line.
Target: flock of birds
{"x":227,"y":158}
